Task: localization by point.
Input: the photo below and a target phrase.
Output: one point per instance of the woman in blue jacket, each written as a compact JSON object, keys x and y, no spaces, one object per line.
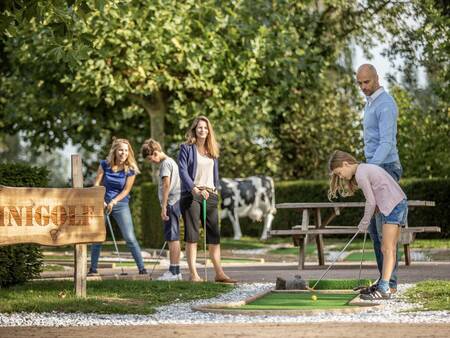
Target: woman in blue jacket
{"x":199,"y":173}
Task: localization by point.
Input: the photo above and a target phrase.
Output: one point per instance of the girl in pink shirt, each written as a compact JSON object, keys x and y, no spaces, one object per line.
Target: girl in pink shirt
{"x":384,"y":195}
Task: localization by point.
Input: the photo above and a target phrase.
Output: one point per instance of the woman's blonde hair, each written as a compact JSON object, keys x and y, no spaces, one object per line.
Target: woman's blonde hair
{"x":130,"y":162}
{"x":211,"y":145}
{"x":340,"y":186}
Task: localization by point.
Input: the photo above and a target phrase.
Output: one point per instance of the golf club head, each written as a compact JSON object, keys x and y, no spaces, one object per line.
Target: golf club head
{"x":359,"y":288}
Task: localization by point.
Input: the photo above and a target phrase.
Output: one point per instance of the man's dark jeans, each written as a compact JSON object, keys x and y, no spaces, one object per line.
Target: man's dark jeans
{"x":375,"y":228}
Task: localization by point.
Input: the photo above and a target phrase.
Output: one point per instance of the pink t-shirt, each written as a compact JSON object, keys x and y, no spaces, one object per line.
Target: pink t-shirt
{"x":379,"y":189}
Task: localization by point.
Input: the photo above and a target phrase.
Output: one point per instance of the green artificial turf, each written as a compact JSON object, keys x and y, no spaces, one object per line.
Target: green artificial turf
{"x":368,"y":256}
{"x":339,"y":284}
{"x":299,"y":301}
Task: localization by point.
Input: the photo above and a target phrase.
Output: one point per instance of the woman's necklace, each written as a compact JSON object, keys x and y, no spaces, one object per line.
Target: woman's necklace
{"x":202,"y":151}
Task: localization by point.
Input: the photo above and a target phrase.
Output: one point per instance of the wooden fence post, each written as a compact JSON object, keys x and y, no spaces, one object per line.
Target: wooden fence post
{"x":80,"y":252}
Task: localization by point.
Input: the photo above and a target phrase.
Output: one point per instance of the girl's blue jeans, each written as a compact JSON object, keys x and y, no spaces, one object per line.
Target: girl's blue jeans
{"x":121,"y":213}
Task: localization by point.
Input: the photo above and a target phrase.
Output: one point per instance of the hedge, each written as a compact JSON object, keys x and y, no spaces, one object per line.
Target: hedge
{"x":19,"y":263}
{"x":437,"y":190}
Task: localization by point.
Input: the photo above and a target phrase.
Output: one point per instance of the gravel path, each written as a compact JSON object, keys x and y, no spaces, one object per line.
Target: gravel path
{"x":394,"y":311}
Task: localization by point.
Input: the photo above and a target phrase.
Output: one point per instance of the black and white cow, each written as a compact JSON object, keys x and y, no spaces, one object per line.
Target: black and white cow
{"x":252,"y":197}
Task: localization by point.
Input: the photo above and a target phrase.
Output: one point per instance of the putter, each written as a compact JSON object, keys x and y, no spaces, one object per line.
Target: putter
{"x":335,"y":260}
{"x":115,"y":243}
{"x":204,"y":236}
{"x":158,"y":260}
{"x":359,"y":287}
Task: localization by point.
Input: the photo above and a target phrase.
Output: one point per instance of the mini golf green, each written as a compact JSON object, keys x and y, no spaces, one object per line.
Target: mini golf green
{"x":333,"y":295}
{"x":300,"y":300}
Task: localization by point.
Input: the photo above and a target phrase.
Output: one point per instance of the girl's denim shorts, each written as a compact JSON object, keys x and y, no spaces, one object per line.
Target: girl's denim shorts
{"x":398,"y":215}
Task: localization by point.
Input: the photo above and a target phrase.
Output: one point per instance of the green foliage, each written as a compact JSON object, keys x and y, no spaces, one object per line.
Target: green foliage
{"x":23,"y":175}
{"x":423,"y":135}
{"x":275,"y":77}
{"x":268,"y":74}
{"x":108,"y":296}
{"x":19,"y":263}
{"x":151,"y":223}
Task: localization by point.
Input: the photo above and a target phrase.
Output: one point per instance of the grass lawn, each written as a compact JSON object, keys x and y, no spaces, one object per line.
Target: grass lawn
{"x":431,"y":244}
{"x":110,"y":296}
{"x":299,"y":301}
{"x":310,"y":250}
{"x":250,"y":243}
{"x":53,"y":267}
{"x":433,"y":295}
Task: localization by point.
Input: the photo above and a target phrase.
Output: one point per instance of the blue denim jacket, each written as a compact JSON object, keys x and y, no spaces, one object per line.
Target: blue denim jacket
{"x":187,"y":164}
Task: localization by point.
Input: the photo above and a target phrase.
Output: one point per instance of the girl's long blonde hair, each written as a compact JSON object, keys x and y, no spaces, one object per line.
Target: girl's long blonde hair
{"x":130,"y":163}
{"x":339,"y":186}
{"x":211,"y":146}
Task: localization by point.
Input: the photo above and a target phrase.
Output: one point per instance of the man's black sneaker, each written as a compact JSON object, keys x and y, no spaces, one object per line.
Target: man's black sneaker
{"x":143,"y":272}
{"x":92,"y":272}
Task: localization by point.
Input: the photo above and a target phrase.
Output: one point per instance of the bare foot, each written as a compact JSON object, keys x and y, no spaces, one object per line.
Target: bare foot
{"x":195,"y":279}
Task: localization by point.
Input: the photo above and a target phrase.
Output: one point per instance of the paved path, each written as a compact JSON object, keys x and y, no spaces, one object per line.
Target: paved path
{"x":322,"y":330}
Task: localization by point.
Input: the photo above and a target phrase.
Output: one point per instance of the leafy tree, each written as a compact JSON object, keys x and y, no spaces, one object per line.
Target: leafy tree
{"x":423,"y":137}
{"x":273,"y":76}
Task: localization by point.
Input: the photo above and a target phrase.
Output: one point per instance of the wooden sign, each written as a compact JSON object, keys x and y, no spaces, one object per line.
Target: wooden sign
{"x":51,"y":216}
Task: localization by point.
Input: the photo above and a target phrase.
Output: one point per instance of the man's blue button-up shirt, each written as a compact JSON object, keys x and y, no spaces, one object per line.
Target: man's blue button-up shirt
{"x":380,"y":128}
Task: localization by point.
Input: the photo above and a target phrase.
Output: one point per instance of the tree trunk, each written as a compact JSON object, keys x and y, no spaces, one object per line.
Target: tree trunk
{"x":156,"y":108}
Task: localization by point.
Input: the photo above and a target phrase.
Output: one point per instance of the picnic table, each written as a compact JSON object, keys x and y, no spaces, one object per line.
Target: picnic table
{"x":302,"y":232}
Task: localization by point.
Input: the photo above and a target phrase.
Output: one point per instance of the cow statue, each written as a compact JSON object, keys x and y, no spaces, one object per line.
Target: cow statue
{"x":252,"y":197}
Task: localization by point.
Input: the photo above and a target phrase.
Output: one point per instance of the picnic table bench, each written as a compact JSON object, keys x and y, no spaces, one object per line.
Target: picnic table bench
{"x":302,"y":233}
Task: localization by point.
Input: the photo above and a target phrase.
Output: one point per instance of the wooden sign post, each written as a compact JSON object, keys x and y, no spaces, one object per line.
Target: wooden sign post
{"x":55,"y":217}
{"x":80,"y":253}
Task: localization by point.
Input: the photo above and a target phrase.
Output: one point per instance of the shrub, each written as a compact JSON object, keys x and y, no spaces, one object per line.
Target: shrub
{"x":19,"y":263}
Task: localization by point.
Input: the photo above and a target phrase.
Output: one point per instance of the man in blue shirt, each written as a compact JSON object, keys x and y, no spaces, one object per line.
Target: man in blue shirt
{"x":380,"y":147}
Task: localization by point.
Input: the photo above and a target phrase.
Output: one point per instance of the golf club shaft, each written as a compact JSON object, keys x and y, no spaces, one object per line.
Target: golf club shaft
{"x":362,"y":257}
{"x":204,"y":236}
{"x":114,"y":239}
{"x":159,"y":258}
{"x":332,"y":263}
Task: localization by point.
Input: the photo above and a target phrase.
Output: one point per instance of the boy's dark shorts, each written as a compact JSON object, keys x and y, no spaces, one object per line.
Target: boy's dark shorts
{"x":172,"y":225}
{"x":191,"y":210}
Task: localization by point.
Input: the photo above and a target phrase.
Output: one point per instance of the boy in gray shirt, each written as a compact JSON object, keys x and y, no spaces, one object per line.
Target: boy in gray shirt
{"x":169,"y":197}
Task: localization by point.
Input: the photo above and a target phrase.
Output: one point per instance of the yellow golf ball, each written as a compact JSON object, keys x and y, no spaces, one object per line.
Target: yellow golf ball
{"x":314,"y":297}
